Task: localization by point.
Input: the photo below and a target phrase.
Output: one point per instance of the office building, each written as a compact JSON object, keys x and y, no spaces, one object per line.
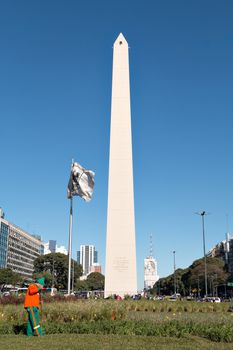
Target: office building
{"x":61,"y":249}
{"x":150,"y":272}
{"x":87,"y":256}
{"x":95,"y":268}
{"x":4,"y":232}
{"x":18,"y":248}
{"x":150,"y":269}
{"x":52,"y":247}
{"x":224,"y":251}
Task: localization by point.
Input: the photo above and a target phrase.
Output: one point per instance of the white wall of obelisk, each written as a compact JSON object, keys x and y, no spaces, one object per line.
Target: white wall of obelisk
{"x":120,"y":268}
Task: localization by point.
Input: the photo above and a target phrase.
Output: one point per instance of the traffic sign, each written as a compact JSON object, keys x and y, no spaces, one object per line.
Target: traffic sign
{"x":230,"y":284}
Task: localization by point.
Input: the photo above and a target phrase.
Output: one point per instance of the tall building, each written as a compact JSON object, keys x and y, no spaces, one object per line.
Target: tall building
{"x":52,"y":247}
{"x":120,"y":267}
{"x":224,"y":251}
{"x":18,"y":249}
{"x":95,"y":268}
{"x":87,"y":257}
{"x":150,"y":272}
{"x":4,"y":233}
{"x":230,"y":256}
{"x":95,"y":256}
{"x":150,"y":269}
{"x":61,"y":249}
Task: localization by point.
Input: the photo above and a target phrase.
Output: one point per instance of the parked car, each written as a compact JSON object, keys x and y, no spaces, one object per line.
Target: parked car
{"x":175,"y":297}
{"x":212,"y":299}
{"x":51,"y":291}
{"x":159,"y":297}
{"x":216,"y":300}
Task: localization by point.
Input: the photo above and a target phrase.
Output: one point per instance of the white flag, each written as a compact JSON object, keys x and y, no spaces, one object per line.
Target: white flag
{"x":81,"y":182}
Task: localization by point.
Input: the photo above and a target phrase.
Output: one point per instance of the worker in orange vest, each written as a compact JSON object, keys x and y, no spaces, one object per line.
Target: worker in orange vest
{"x":32,"y":304}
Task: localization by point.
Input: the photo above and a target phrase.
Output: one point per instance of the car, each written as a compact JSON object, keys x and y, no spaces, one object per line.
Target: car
{"x":212,"y":299}
{"x":22,"y":291}
{"x":217,"y":300}
{"x":136,"y":297}
{"x":159,"y":297}
{"x":175,"y":297}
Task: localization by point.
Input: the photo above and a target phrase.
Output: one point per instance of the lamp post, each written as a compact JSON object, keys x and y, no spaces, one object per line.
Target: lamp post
{"x":216,"y":285}
{"x":198,"y":287}
{"x":202,"y":214}
{"x":174,"y":266}
{"x":53,"y":272}
{"x":73,"y":278}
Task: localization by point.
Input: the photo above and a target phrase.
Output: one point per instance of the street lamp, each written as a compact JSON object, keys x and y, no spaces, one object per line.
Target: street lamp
{"x":202,"y":214}
{"x":53,"y":272}
{"x":198,"y":287}
{"x":174,"y":266}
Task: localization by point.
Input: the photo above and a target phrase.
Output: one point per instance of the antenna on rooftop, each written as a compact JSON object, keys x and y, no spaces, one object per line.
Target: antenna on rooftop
{"x":151,"y":246}
{"x":227,"y":240}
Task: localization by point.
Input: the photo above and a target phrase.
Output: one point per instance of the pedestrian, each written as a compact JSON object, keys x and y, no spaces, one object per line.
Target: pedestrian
{"x":32,"y":303}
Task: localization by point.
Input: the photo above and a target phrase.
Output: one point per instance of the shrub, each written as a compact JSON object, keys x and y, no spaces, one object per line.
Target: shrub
{"x":217,"y":333}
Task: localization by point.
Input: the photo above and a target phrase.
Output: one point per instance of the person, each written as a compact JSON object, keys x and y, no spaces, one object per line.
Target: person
{"x":32,"y":303}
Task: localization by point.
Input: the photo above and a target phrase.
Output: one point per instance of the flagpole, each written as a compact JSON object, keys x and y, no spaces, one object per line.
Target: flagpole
{"x":76,"y":182}
{"x":70,"y":243}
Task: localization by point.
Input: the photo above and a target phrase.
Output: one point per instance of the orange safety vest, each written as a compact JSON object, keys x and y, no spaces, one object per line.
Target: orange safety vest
{"x":32,"y":297}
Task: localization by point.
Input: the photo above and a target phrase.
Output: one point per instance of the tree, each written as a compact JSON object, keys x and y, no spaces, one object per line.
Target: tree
{"x":47,"y":276}
{"x":56,"y":264}
{"x":7,"y":276}
{"x":95,"y":281}
{"x":166,"y":286}
{"x":216,"y":275}
{"x":192,"y":279}
{"x":81,"y":285}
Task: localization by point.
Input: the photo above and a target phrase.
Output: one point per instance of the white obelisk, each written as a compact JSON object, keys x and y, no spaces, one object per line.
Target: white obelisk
{"x":120,"y":267}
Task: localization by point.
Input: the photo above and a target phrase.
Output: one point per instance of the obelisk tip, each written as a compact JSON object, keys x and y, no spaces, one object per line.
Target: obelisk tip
{"x":120,"y":40}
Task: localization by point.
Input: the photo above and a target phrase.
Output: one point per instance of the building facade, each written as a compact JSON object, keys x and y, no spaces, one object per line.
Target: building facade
{"x":52,"y":247}
{"x":18,"y":249}
{"x":150,"y":272}
{"x":224,"y":251}
{"x":61,"y":249}
{"x":87,"y":256}
{"x":230,"y":257}
{"x":4,"y":232}
{"x":95,"y":268}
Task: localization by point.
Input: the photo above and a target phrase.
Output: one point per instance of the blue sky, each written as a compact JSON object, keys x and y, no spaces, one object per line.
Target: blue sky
{"x":55,"y":96}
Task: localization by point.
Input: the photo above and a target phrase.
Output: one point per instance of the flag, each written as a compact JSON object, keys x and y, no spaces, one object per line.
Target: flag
{"x":81,"y":182}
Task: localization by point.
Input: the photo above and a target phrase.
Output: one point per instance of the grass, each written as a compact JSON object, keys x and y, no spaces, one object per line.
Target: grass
{"x":92,"y":310}
{"x":107,"y":342}
{"x":213,"y":318}
{"x":138,"y":322}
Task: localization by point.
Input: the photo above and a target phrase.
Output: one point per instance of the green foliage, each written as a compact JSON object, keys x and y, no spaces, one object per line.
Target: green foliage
{"x":47,"y":276}
{"x":128,"y":317}
{"x":217,"y":333}
{"x":188,"y":280}
{"x":7,"y":276}
{"x":95,"y":281}
{"x":216,"y":271}
{"x":81,"y":285}
{"x":55,"y":265}
{"x":67,"y":308}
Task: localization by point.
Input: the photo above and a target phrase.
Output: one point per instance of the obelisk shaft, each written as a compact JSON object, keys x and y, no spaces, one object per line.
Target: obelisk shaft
{"x":120,"y":268}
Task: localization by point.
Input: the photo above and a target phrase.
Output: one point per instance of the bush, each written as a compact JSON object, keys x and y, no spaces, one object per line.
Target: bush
{"x":171,"y":329}
{"x":143,"y":317}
